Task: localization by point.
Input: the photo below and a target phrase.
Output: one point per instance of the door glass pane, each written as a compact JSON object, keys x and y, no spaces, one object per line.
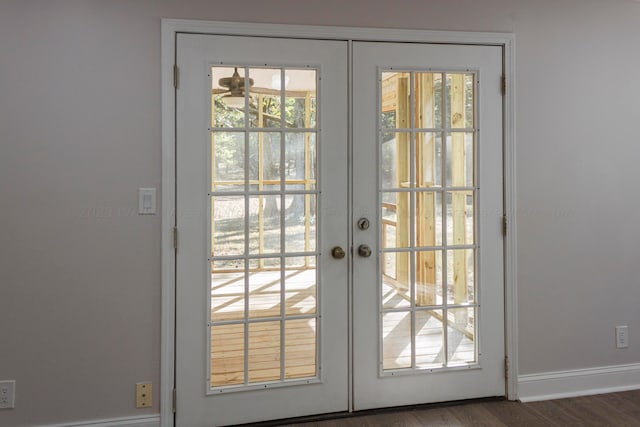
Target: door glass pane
{"x":227,"y":290}
{"x":263,"y":235}
{"x":300,"y":348}
{"x":460,"y":218}
{"x":228,"y":97}
{"x":264,"y":288}
{"x":429,"y":339}
{"x":429,"y":278}
{"x":460,"y":159}
{"x":460,"y":100}
{"x":427,"y":210}
{"x":300,"y":161}
{"x":396,"y":225}
{"x":300,"y":223}
{"x":460,"y":276}
{"x":264,"y":224}
{"x":300,"y":98}
{"x":264,"y":351}
{"x":428,"y":219}
{"x":461,"y":335}
{"x":396,"y":103}
{"x":227,"y":163}
{"x":264,"y":161}
{"x":227,"y":355}
{"x":396,"y":288}
{"x":428,"y":160}
{"x":395,"y":168}
{"x":428,"y":93}
{"x":300,"y":285}
{"x":396,"y":333}
{"x":266,"y":97}
{"x":227,"y":225}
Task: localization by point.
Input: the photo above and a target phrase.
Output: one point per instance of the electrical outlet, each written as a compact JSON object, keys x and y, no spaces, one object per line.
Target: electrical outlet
{"x":622,"y":336}
{"x":7,"y":394}
{"x":144,"y":395}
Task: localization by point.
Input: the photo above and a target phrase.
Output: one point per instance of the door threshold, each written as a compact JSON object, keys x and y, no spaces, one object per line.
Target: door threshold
{"x":376,"y":411}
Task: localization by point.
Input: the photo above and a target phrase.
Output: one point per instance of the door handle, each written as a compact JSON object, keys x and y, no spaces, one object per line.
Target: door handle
{"x":364,"y":251}
{"x":338,"y":252}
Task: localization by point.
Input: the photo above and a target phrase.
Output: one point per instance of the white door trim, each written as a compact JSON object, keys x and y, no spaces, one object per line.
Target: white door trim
{"x":170,"y":27}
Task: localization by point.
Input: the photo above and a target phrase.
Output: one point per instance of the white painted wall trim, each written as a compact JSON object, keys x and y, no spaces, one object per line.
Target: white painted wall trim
{"x":139,"y":421}
{"x":336,"y":33}
{"x":170,"y":27}
{"x":510,"y":208}
{"x":168,"y":221}
{"x":578,"y":382}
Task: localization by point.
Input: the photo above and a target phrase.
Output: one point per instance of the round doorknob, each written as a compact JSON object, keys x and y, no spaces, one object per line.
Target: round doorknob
{"x":364,"y":251}
{"x":338,"y":252}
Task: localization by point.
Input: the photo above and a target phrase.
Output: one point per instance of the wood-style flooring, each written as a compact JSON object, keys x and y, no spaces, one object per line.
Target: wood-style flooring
{"x":613,"y":409}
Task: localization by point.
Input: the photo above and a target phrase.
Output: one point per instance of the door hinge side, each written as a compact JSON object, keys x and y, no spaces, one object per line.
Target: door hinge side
{"x":504,"y":225}
{"x":173,"y":401}
{"x":176,"y":72}
{"x":504,"y":85}
{"x":175,"y":238}
{"x":506,"y":367}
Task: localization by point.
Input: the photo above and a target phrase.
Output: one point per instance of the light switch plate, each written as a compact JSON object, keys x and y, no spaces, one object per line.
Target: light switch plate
{"x":146,"y":201}
{"x":622,"y":336}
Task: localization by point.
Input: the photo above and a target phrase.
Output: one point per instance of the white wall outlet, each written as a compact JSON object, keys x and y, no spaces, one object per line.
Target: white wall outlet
{"x":144,"y":395}
{"x":7,"y":394}
{"x":622,"y":336}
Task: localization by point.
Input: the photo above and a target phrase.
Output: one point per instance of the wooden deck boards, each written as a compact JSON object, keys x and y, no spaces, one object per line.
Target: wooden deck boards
{"x":228,"y":341}
{"x":264,"y":361}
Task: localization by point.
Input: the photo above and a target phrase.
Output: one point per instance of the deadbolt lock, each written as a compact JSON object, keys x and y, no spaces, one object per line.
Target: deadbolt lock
{"x":363,"y":223}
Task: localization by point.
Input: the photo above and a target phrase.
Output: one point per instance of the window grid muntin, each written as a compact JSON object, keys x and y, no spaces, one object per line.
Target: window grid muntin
{"x":283,"y":255}
{"x":444,"y":188}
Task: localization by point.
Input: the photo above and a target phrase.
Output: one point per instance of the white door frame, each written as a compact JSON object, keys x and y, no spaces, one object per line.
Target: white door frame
{"x":170,"y":28}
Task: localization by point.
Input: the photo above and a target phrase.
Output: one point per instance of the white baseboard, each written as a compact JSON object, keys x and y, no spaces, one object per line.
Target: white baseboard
{"x":531,"y":388}
{"x":578,"y":382}
{"x":138,"y":421}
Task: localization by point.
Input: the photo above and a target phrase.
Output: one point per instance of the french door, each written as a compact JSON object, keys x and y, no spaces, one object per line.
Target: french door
{"x":287,"y":304}
{"x":428,"y":309}
{"x":261,"y":328}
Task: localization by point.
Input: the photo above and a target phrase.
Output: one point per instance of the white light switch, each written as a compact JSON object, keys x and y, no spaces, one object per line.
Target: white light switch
{"x":146,"y":201}
{"x":622,"y":336}
{"x":7,"y":394}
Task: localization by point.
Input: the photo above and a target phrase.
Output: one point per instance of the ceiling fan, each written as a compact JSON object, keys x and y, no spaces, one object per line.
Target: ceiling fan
{"x":235,"y":88}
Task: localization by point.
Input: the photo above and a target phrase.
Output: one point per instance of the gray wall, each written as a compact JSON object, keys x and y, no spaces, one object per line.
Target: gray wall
{"x":80,"y":132}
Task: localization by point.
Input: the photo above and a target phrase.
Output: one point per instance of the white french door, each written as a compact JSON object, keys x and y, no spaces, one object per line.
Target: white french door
{"x":428,"y":308}
{"x":261,"y":310}
{"x":264,"y":270}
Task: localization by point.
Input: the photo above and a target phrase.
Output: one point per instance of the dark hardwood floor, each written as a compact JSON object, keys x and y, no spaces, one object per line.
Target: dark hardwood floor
{"x":614,"y":409}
